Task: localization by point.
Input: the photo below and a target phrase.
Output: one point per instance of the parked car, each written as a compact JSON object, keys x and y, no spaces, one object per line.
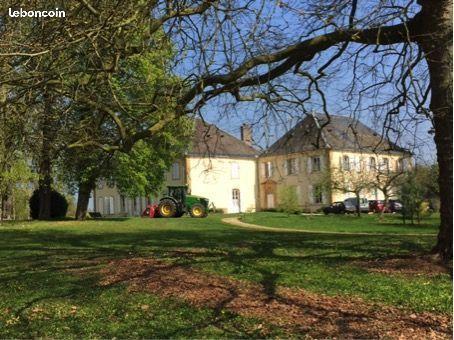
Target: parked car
{"x":351,"y":203}
{"x":377,"y":206}
{"x":335,"y":208}
{"x":395,"y":206}
{"x":349,"y":206}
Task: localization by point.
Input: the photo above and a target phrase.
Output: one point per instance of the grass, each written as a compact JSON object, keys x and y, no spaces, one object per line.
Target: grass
{"x":41,"y":298}
{"x":391,"y":224}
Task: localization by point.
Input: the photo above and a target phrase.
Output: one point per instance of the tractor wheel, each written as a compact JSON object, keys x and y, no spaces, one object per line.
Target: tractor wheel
{"x":167,"y":208}
{"x":198,"y":211}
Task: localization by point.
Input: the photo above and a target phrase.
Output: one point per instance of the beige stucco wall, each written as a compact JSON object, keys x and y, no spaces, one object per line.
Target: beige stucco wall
{"x":170,"y":180}
{"x":304,"y":180}
{"x":132,"y":206}
{"x":360,"y":161}
{"x":206,"y":177}
{"x":212,"y":178}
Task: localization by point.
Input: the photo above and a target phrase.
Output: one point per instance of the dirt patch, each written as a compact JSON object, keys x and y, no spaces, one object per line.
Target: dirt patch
{"x":410,"y":265}
{"x":294,"y":309}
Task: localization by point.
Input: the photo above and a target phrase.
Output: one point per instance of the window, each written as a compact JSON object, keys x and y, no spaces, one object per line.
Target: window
{"x":357,"y":163}
{"x":372,"y":164}
{"x":291,"y":166}
{"x":108,"y":205}
{"x":391,"y":165}
{"x":268,"y":169}
{"x":175,"y":171}
{"x":346,"y":163}
{"x":317,"y":193}
{"x":386,"y":164}
{"x":316,"y":164}
{"x":400,"y":164}
{"x":235,"y":170}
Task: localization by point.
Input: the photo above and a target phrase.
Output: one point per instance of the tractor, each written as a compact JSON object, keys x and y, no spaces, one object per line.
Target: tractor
{"x":178,"y":202}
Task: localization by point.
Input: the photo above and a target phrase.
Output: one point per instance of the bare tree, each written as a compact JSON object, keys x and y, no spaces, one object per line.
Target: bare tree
{"x":386,"y":177}
{"x":350,"y":181}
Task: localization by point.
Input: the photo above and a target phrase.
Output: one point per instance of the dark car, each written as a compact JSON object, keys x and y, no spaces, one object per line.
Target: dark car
{"x":335,"y":208}
{"x":394,"y":206}
{"x":377,"y":206}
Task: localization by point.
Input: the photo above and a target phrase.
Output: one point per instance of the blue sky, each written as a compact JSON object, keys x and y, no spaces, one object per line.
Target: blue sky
{"x":269,"y":123}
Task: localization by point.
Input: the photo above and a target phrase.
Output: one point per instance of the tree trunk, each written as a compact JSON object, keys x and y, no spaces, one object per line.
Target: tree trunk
{"x":2,"y":207}
{"x":358,"y":205}
{"x":436,"y":42}
{"x":385,"y":204}
{"x":45,"y":163}
{"x":45,"y":186}
{"x":83,"y":198}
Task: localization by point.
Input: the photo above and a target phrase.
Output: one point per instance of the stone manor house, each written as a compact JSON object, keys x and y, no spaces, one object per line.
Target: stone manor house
{"x":236,"y":177}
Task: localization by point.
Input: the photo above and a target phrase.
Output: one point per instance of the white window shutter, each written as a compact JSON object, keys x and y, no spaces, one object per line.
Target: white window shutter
{"x":262,"y":169}
{"x":285,"y":167}
{"x":270,"y":168}
{"x":297,"y":165}
{"x":357,"y":164}
{"x":324,"y":197}
{"x":311,"y":194}
{"x":100,"y":205}
{"x":298,"y":193}
{"x":309,"y":165}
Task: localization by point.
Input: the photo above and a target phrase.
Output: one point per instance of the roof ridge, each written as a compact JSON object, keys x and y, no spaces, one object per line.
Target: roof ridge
{"x":227,"y":133}
{"x":210,"y":139}
{"x":340,"y":133}
{"x":317,"y":123}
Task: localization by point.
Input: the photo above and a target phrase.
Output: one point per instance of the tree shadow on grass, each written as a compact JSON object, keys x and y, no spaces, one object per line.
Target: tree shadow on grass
{"x":40,"y":260}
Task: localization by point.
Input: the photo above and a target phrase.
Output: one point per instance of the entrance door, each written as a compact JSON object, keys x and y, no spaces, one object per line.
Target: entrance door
{"x":236,"y":201}
{"x":270,"y":201}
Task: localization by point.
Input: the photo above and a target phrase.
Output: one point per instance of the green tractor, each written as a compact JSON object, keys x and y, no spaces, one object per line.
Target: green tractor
{"x":178,"y":202}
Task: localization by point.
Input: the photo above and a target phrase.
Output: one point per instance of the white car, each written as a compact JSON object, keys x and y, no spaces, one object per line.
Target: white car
{"x":351,"y":203}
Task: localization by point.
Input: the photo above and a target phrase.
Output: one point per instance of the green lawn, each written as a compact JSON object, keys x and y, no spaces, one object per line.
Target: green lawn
{"x":39,"y":297}
{"x":391,"y":223}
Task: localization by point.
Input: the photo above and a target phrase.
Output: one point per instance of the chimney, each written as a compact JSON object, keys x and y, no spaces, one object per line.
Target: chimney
{"x":246,"y":134}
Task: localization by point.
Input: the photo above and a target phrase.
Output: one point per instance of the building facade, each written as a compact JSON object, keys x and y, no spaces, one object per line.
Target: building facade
{"x":236,"y":178}
{"x":217,"y":166}
{"x":308,"y":156}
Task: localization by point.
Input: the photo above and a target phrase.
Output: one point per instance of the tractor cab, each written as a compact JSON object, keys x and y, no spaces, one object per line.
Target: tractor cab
{"x":179,"y":193}
{"x":177,"y":202}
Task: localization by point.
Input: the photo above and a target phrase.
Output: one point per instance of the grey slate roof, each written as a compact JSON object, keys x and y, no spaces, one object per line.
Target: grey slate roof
{"x":341,"y":133}
{"x":210,"y":141}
